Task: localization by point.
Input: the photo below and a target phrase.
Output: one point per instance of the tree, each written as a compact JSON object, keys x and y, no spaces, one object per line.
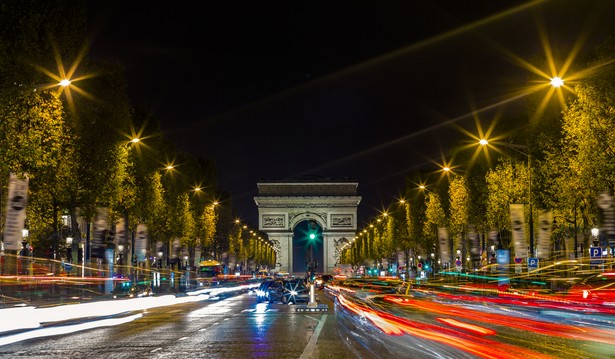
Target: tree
{"x":36,"y":140}
{"x":506,"y":184}
{"x":459,"y":211}
{"x":210,"y":221}
{"x":434,"y":217}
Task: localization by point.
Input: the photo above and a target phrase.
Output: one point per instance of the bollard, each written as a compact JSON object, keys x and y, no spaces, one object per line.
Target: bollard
{"x":312,"y":302}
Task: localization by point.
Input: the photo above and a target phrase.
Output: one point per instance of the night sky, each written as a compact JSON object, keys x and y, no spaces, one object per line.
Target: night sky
{"x":366,"y":90}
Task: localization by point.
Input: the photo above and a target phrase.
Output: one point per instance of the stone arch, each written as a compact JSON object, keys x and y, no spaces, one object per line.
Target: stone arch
{"x":305,"y":250}
{"x":283,"y":205}
{"x":306,"y":216}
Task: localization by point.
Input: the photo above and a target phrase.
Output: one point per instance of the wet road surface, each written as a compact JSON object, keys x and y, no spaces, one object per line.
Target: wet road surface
{"x":234,"y":327}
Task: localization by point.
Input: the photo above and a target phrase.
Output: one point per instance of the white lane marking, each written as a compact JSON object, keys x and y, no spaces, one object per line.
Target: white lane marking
{"x":310,"y":348}
{"x":254,"y":310}
{"x":155,"y":350}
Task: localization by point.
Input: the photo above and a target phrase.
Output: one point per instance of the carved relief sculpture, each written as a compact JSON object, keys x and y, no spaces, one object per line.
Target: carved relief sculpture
{"x":341,"y":220}
{"x":273,"y":221}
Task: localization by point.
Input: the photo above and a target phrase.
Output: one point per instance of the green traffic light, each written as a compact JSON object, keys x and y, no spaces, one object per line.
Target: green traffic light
{"x":312,"y":236}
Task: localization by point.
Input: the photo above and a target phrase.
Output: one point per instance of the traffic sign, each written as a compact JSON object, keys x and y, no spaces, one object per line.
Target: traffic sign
{"x":595,"y":252}
{"x":532,"y":262}
{"x":458,"y":263}
{"x":518,"y":260}
{"x":595,"y":255}
{"x":420,"y":266}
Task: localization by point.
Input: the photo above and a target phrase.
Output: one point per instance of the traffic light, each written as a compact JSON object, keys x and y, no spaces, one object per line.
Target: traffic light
{"x":312,"y":230}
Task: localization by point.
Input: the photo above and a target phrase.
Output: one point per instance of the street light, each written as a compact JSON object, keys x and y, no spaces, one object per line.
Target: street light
{"x":595,"y":233}
{"x":524,"y":150}
{"x":120,"y":249}
{"x":557,"y":82}
{"x":433,"y":256}
{"x":69,"y":243}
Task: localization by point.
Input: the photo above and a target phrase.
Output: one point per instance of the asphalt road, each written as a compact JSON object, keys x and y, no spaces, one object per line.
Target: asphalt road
{"x":234,"y":327}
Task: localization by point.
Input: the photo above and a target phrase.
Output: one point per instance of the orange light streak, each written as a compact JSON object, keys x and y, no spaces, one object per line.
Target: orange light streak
{"x":552,"y":329}
{"x":484,"y":348}
{"x":466,"y":326}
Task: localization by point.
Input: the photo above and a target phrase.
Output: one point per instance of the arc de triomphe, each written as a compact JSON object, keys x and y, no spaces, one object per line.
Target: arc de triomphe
{"x":332,"y":204}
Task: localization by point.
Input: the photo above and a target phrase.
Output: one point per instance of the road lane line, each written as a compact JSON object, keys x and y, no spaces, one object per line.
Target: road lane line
{"x":310,"y":348}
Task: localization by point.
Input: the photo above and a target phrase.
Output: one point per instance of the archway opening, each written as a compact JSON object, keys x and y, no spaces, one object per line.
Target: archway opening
{"x":307,"y":247}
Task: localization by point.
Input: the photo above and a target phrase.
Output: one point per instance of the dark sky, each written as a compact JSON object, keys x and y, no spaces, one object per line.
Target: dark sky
{"x":366,"y":90}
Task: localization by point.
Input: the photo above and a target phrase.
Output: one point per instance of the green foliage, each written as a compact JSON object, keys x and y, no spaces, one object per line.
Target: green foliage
{"x":33,"y":132}
{"x":477,"y":188}
{"x":378,"y":242}
{"x":35,"y":139}
{"x":459,"y":207}
{"x":508,"y":183}
{"x":434,"y":214}
{"x":209,"y":220}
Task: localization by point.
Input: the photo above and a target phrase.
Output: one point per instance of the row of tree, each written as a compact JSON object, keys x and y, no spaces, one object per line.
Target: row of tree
{"x":572,"y":157}
{"x":75,"y":145}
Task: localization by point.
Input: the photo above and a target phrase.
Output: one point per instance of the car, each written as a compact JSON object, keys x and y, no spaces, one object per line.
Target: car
{"x":323,"y":280}
{"x":282,"y":275}
{"x":262,"y":293}
{"x":598,"y":288}
{"x":290,"y":291}
{"x":130,"y":290}
{"x":263,"y":273}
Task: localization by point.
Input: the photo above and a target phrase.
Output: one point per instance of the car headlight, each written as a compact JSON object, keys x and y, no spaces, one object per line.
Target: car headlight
{"x":260,"y":293}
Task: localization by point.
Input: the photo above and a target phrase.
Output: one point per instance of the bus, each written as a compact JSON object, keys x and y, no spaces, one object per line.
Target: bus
{"x":210,"y":269}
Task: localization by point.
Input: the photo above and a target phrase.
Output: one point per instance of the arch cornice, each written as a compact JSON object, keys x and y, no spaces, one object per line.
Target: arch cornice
{"x":307,"y":202}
